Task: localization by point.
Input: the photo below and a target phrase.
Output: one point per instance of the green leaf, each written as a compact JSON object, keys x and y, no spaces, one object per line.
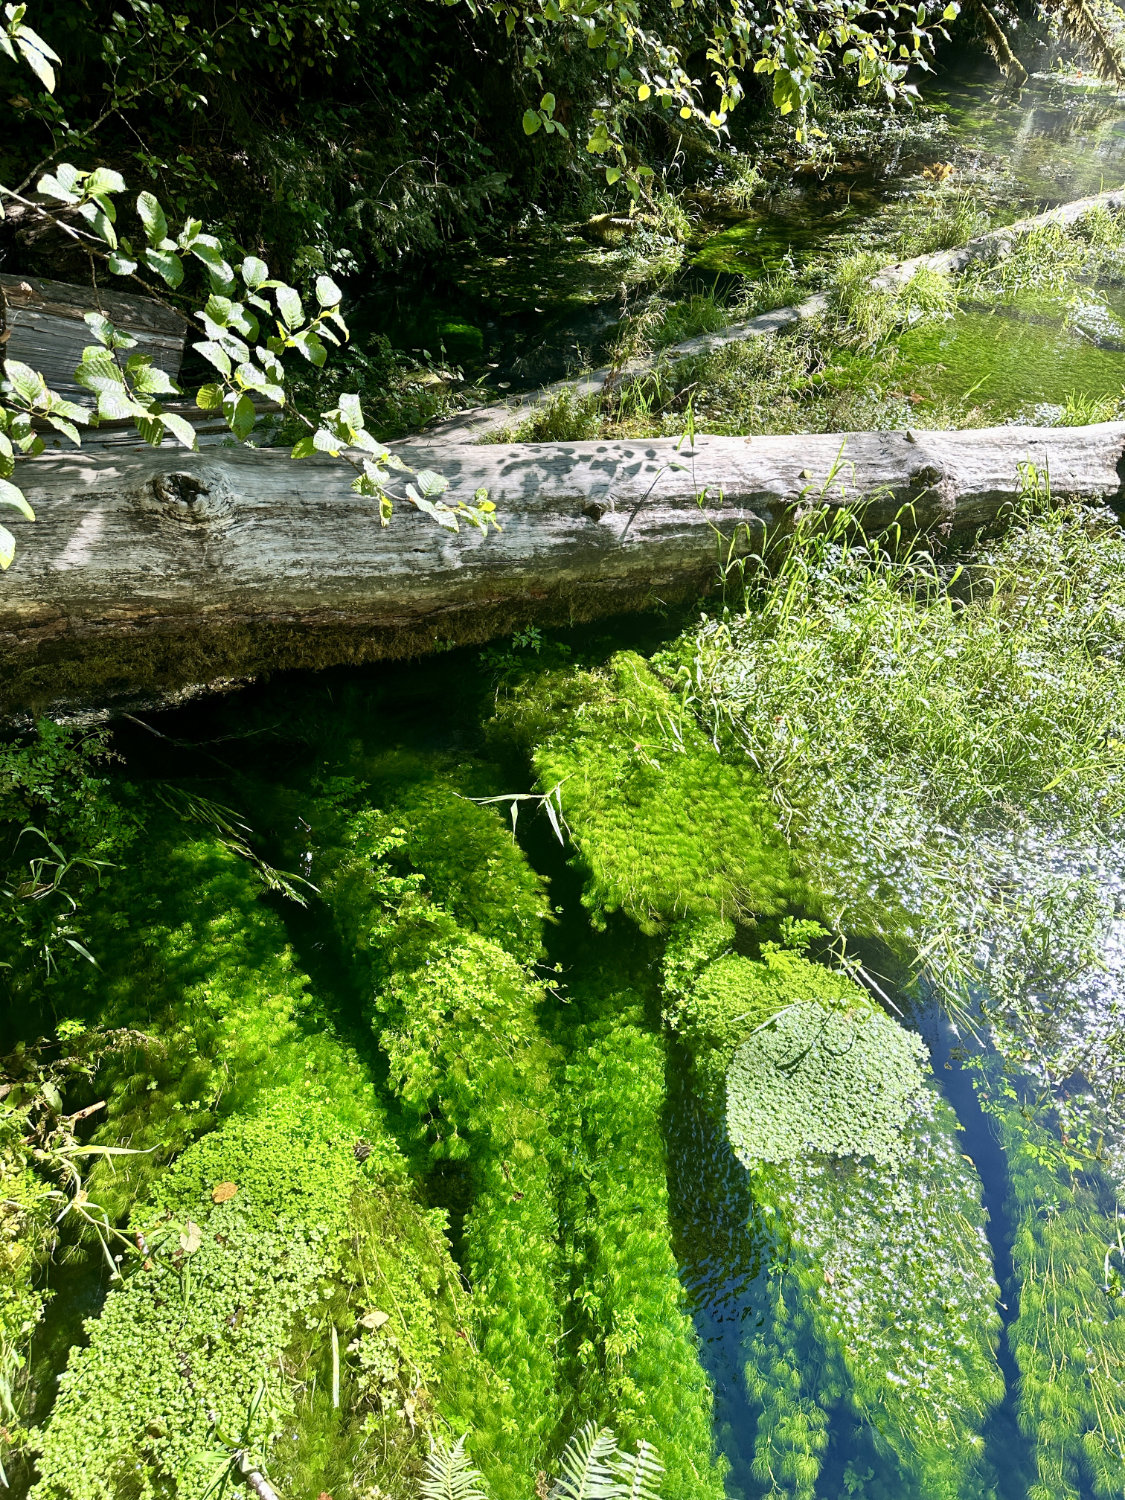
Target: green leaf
{"x":240,"y":415}
{"x":104,"y":180}
{"x":547,"y":104}
{"x":311,"y":347}
{"x":167,"y":265}
{"x":209,"y":397}
{"x":328,"y":294}
{"x":153,"y":218}
{"x":99,"y":221}
{"x":352,"y":411}
{"x":27,"y":383}
{"x":61,"y":184}
{"x":121,"y":265}
{"x":106,"y":333}
{"x":7,"y":548}
{"x":431,"y":484}
{"x":68,"y":429}
{"x":181,"y":429}
{"x":11,"y":494}
{"x":214,"y":354}
{"x":98,"y":371}
{"x":531,"y":121}
{"x":289,"y":305}
{"x":150,"y":380}
{"x":254,"y":272}
{"x":39,"y":66}
{"x":612,"y":175}
{"x":303,"y":447}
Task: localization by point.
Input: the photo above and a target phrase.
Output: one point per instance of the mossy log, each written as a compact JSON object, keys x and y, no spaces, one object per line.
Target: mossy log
{"x":150,"y":573}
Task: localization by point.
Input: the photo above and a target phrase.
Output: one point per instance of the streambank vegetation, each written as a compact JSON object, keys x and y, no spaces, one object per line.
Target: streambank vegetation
{"x":351,"y":1120}
{"x":674,"y":1058}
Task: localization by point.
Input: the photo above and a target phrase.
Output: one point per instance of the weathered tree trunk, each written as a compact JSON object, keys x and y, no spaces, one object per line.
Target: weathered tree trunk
{"x":149,"y":574}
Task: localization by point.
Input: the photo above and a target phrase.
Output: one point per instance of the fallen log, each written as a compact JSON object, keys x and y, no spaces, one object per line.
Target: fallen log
{"x":151,"y":574}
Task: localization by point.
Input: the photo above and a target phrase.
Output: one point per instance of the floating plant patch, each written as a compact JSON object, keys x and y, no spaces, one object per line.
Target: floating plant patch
{"x":837,"y":1078}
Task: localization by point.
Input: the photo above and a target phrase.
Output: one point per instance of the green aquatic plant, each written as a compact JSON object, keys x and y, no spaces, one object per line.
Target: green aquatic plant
{"x":834,"y":1077}
{"x":716,"y":999}
{"x":211,"y":1310}
{"x":877,"y":1291}
{"x":663,"y":826}
{"x":637,"y":1353}
{"x":925,"y":728}
{"x":457,"y":1016}
{"x":890,"y":1278}
{"x":1068,"y":1338}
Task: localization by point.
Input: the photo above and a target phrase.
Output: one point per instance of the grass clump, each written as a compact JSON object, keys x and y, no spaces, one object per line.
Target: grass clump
{"x":664,"y":828}
{"x":928,"y":733}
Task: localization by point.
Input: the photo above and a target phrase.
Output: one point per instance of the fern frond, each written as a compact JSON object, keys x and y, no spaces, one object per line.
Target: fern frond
{"x":450,"y":1474}
{"x":584,"y":1472}
{"x":637,"y":1474}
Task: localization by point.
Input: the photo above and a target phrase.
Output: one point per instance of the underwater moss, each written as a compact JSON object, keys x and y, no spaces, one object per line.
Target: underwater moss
{"x":456,"y":1014}
{"x":893,"y":1265}
{"x":663,"y":826}
{"x":1068,"y":1338}
{"x":879,"y":1293}
{"x":637,"y":1356}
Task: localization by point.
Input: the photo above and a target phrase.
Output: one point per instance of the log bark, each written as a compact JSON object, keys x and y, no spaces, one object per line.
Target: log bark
{"x":152,"y":574}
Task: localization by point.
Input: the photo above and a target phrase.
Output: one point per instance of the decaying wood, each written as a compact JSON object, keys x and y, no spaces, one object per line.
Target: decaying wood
{"x":483,"y":423}
{"x":47,"y":331}
{"x":151,"y":573}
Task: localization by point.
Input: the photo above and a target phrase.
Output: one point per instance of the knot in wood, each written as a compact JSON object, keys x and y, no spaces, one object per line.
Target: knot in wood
{"x":927,"y":476}
{"x":188,"y":499}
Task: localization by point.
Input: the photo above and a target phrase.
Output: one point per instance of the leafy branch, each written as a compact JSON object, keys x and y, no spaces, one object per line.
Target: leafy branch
{"x":250,"y":322}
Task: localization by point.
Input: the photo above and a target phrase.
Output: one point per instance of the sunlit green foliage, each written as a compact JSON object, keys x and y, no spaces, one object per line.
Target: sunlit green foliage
{"x":457,"y":1016}
{"x":665,"y":828}
{"x":926,"y":729}
{"x":637,"y":1351}
{"x":213,"y":1312}
{"x":1069,"y":1337}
